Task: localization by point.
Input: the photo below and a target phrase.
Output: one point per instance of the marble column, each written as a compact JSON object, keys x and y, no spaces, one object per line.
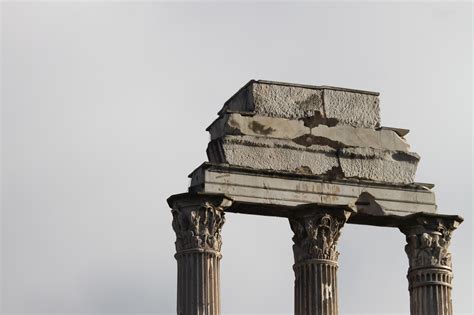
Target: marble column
{"x":315,"y":238}
{"x":430,"y":270}
{"x":198,"y":221}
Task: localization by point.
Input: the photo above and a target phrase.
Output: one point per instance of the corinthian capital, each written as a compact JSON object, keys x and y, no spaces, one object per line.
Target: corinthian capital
{"x":197,"y":221}
{"x":316,"y":234}
{"x":199,"y":228}
{"x":428,"y":239}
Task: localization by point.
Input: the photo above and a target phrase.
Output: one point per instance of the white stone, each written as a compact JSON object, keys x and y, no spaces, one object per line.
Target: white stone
{"x":354,"y":109}
{"x":286,"y":101}
{"x":264,"y":153}
{"x":271,"y":127}
{"x":384,"y":166}
{"x":281,"y":128}
{"x":272,"y":154}
{"x":293,"y":101}
{"x":281,"y":189}
{"x":362,"y":137}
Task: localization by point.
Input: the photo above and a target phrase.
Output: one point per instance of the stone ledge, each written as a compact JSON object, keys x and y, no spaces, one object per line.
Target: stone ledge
{"x":275,"y":193}
{"x":299,"y":130}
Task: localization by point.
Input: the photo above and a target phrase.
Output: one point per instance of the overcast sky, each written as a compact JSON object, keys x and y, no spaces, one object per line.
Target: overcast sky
{"x":104,"y":108}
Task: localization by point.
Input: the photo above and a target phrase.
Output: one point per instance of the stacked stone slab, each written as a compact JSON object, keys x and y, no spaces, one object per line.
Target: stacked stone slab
{"x":326,"y":131}
{"x":319,"y":157}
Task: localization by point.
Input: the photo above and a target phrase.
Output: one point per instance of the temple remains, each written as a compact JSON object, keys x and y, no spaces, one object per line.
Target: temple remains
{"x":319,"y":156}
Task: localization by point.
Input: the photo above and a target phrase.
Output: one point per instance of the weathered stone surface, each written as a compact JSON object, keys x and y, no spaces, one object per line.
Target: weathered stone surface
{"x":349,"y":136}
{"x":237,"y":124}
{"x":281,"y":192}
{"x":317,"y":234}
{"x":318,"y":159}
{"x":385,"y":166}
{"x":317,"y":156}
{"x":430,"y":272}
{"x":292,"y":101}
{"x":308,"y":129}
{"x":276,"y":100}
{"x":315,"y":253}
{"x":272,"y":154}
{"x":286,"y":101}
{"x":197,"y":222}
{"x":354,"y":109}
{"x":281,"y":128}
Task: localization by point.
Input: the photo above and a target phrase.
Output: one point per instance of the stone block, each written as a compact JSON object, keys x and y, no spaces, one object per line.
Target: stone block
{"x":353,"y":109}
{"x":272,"y":154}
{"x":377,"y":165}
{"x":329,"y":105}
{"x":262,"y":153}
{"x":281,"y":128}
{"x":256,"y":125}
{"x":280,"y":190}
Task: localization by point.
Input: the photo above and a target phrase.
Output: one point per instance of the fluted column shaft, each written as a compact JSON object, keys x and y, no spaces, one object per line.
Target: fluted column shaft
{"x":315,"y":267}
{"x":198,"y":244}
{"x":430,"y":272}
{"x":316,"y":287}
{"x":198,"y":282}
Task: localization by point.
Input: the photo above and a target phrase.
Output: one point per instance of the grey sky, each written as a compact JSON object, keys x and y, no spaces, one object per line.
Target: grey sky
{"x":104,"y":108}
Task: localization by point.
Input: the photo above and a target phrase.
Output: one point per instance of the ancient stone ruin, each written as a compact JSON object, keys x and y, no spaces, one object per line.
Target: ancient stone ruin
{"x":319,"y":156}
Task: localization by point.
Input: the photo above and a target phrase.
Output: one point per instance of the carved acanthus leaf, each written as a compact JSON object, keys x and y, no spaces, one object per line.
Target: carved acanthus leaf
{"x":198,"y":228}
{"x":429,"y":248}
{"x":316,"y":236}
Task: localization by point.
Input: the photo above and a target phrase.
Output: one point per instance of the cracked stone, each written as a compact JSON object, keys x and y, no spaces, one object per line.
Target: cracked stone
{"x":237,"y":124}
{"x":279,"y":155}
{"x":281,"y":128}
{"x":383,"y":166}
{"x":318,"y":159}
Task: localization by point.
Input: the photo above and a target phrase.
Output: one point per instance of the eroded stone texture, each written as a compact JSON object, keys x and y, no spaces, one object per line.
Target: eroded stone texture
{"x":362,"y":137}
{"x":354,"y":109}
{"x":310,"y":130}
{"x":314,"y":155}
{"x":274,"y":99}
{"x":430,"y":272}
{"x":266,"y":188}
{"x":262,"y":153}
{"x":286,"y":101}
{"x":281,"y":128}
{"x":197,"y":222}
{"x":237,"y":124}
{"x":315,"y":239}
{"x":317,"y":159}
{"x":198,"y":228}
{"x":316,"y":236}
{"x":384,"y":166}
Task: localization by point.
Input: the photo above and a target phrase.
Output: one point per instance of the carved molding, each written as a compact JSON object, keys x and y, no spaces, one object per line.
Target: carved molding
{"x":316,"y":236}
{"x":198,"y":228}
